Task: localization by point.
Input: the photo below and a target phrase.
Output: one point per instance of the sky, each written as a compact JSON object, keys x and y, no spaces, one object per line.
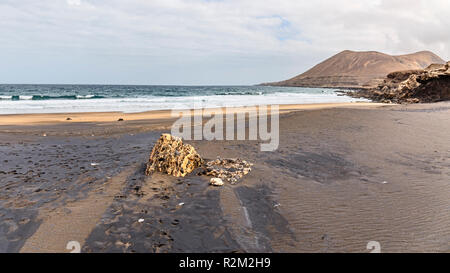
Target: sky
{"x":204,"y":42}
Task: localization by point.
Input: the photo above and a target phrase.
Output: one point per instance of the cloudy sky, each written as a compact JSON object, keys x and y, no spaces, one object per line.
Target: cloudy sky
{"x":204,"y":41}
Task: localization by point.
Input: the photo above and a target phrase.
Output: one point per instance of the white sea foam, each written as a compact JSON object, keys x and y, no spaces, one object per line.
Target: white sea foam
{"x":129,"y":105}
{"x":85,"y":97}
{"x":26,"y":97}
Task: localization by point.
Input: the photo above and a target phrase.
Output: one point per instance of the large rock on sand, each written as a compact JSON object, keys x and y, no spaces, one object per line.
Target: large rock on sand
{"x":171,"y":156}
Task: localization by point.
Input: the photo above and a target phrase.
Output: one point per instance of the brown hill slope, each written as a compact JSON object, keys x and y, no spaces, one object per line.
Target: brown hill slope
{"x":359,"y":69}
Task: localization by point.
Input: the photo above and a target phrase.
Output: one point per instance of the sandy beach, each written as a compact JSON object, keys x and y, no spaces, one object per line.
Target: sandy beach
{"x":343,"y":175}
{"x":45,"y":119}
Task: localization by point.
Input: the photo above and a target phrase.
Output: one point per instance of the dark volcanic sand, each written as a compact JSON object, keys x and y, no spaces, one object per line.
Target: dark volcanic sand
{"x":340,"y":178}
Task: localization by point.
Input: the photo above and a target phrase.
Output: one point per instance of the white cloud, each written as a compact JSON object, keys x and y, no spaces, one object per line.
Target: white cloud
{"x":269,"y":40}
{"x":74,"y":2}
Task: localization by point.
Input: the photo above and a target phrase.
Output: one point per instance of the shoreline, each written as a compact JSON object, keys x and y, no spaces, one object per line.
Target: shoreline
{"x":101,"y":117}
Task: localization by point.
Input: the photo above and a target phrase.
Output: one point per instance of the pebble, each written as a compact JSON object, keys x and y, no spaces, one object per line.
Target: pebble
{"x":216,"y":182}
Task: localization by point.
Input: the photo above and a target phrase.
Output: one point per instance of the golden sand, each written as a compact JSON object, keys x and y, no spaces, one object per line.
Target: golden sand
{"x":98,"y":117}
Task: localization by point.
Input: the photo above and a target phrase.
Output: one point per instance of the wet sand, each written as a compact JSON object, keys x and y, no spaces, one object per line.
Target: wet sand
{"x":342,"y":176}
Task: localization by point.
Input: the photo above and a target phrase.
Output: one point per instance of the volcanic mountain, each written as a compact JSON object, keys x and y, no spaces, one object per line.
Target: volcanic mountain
{"x":357,"y":69}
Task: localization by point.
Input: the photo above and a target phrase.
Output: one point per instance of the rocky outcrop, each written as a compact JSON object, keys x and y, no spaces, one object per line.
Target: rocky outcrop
{"x":171,"y":156}
{"x":431,"y":84}
{"x":228,"y":169}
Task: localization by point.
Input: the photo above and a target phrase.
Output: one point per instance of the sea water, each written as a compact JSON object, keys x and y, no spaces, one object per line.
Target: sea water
{"x":21,"y":99}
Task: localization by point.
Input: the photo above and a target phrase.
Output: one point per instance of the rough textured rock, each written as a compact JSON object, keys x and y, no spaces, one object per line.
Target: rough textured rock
{"x":229,"y":169}
{"x":431,"y":84}
{"x":171,"y":156}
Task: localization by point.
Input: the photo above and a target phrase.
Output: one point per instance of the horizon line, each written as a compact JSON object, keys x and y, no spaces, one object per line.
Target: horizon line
{"x":114,"y":84}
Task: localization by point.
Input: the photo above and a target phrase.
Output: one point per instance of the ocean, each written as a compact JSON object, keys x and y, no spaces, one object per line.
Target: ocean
{"x":25,"y":99}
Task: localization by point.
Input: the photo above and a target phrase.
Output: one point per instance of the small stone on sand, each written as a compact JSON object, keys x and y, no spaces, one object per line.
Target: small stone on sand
{"x":216,"y":181}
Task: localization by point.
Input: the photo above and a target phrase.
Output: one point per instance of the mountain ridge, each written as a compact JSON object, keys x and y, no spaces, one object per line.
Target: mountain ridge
{"x":359,"y":69}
